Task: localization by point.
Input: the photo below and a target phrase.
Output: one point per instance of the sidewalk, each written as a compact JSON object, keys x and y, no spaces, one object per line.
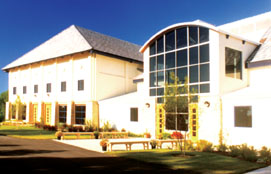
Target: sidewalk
{"x":266,"y":170}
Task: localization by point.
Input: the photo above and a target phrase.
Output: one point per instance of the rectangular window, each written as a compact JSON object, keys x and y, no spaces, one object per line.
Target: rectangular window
{"x":134,"y":114}
{"x":48,"y":87}
{"x":182,"y":57}
{"x":193,"y":55}
{"x":177,"y":121}
{"x":204,"y":53}
{"x":160,"y":45}
{"x":193,"y":35}
{"x":160,"y":62}
{"x":182,"y":74}
{"x":170,"y":60}
{"x":152,"y":63}
{"x":63,"y":86}
{"x":153,"y":79}
{"x":160,"y":78}
{"x":152,"y":49}
{"x":14,"y":90}
{"x":23,"y":112}
{"x":80,"y":114}
{"x":24,"y":90}
{"x":203,"y":34}
{"x":243,"y":116}
{"x":233,"y":63}
{"x":193,"y":71}
{"x":181,"y":37}
{"x":36,"y":89}
{"x":170,"y":41}
{"x":62,"y":113}
{"x":204,"y":72}
{"x":80,"y":85}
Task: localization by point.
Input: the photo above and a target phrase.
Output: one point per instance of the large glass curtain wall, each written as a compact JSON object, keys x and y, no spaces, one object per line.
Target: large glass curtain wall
{"x":185,"y":52}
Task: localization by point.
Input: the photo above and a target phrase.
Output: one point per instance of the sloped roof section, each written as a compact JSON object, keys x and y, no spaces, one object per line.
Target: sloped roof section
{"x":111,"y":45}
{"x":76,"y":39}
{"x":262,"y":54}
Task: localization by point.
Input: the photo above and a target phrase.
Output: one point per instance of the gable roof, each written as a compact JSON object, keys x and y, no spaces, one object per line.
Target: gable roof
{"x":76,"y":39}
{"x":261,"y":56}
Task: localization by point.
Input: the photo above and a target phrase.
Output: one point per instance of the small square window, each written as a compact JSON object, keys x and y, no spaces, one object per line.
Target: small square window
{"x":134,"y":114}
{"x":243,"y":116}
{"x":80,"y":85}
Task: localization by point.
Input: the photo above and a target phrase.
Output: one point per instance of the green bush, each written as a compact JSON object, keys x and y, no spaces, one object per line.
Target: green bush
{"x":265,"y":154}
{"x":189,"y":146}
{"x":235,"y":151}
{"x":222,"y":148}
{"x":166,"y":135}
{"x":248,"y":153}
{"x":204,"y":146}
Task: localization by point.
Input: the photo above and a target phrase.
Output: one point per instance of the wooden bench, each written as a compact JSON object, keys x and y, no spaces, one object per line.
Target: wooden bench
{"x":114,"y":134}
{"x":77,"y":134}
{"x":128,"y":144}
{"x":173,"y":143}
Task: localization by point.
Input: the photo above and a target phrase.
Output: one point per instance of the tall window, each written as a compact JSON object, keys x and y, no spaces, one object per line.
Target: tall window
{"x":36,"y":89}
{"x":80,"y":114}
{"x":24,"y":89}
{"x":243,"y":116}
{"x":63,"y":86}
{"x":23,"y":112}
{"x":48,"y":87}
{"x":134,"y":114}
{"x":233,"y":63}
{"x":62,"y":113}
{"x":14,"y":90}
{"x":80,"y":85}
{"x":184,"y":52}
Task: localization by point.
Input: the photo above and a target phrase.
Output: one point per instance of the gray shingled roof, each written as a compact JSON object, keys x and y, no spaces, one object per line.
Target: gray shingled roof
{"x":76,"y":39}
{"x":262,"y":54}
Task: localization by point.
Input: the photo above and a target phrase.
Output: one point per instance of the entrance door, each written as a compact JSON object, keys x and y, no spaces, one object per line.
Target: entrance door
{"x":35,"y":112}
{"x":48,"y":114}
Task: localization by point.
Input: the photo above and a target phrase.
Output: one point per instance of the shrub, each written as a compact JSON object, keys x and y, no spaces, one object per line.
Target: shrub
{"x":130,"y":134}
{"x":106,"y":127}
{"x":265,"y":154}
{"x":103,"y":142}
{"x":123,"y":130}
{"x":147,"y":135}
{"x":222,"y":148}
{"x":166,"y":136}
{"x":248,"y":153}
{"x":235,"y":150}
{"x":177,"y":135}
{"x":189,"y":146}
{"x":204,"y":146}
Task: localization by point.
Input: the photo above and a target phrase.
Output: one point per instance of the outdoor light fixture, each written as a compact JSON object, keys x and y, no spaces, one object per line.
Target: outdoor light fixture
{"x":207,"y":104}
{"x":227,"y":36}
{"x":243,"y":42}
{"x":147,"y":105}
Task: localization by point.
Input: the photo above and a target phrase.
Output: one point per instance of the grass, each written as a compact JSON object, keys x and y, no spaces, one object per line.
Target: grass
{"x":29,"y":132}
{"x":201,"y":162}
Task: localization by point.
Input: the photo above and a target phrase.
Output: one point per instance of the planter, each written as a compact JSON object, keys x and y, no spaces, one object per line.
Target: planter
{"x":96,"y":136}
{"x":153,"y":147}
{"x":59,"y":138}
{"x":104,"y":148}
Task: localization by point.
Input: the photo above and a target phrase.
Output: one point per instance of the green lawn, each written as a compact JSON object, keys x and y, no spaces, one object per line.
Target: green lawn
{"x":29,"y":132}
{"x":202,"y":162}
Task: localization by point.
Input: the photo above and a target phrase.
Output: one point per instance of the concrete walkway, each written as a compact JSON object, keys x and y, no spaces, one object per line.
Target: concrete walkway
{"x":266,"y":170}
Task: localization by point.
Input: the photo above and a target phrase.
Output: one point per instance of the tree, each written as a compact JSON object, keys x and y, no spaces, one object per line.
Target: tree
{"x":3,"y":100}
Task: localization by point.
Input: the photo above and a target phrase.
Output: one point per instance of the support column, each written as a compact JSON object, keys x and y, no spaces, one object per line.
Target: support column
{"x":7,"y":114}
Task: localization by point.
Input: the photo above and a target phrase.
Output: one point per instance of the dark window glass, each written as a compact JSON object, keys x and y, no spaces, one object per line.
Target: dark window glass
{"x":204,"y":53}
{"x":160,"y":45}
{"x":152,"y":63}
{"x":14,"y":90}
{"x":182,"y":104}
{"x":63,"y":86}
{"x":193,"y":55}
{"x":242,"y":116}
{"x":233,"y":63}
{"x":160,"y":78}
{"x":182,"y":57}
{"x":170,"y":41}
{"x":181,"y":37}
{"x":62,"y":113}
{"x":160,"y":100}
{"x":134,"y":114}
{"x":194,"y":99}
{"x":160,"y":62}
{"x":169,"y":78}
{"x":194,"y":89}
{"x":23,"y":112}
{"x":48,"y":87}
{"x":193,"y":71}
{"x":153,"y":79}
{"x":152,"y":92}
{"x":204,"y":72}
{"x":80,"y":85}
{"x":152,"y":49}
{"x":160,"y":91}
{"x":80,"y":114}
{"x":36,"y":89}
{"x":182,"y":122}
{"x":182,"y":74}
{"x":193,"y":35}
{"x":170,"y":121}
{"x":24,"y":90}
{"x":204,"y":88}
{"x":203,"y":34}
{"x":182,"y":90}
{"x":170,"y":60}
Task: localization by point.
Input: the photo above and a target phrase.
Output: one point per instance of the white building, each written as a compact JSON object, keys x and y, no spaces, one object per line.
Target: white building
{"x":226,"y":65}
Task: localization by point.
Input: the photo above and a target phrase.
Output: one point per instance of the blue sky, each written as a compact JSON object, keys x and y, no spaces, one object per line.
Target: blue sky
{"x":25,"y":24}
